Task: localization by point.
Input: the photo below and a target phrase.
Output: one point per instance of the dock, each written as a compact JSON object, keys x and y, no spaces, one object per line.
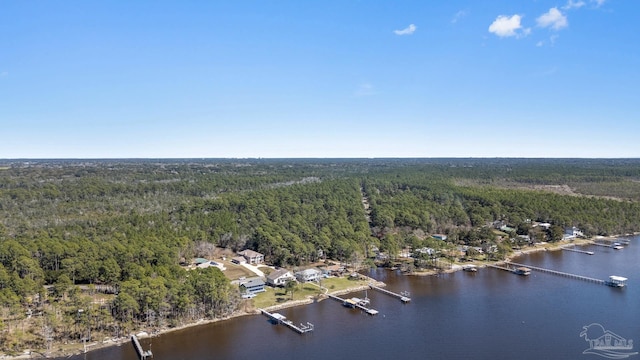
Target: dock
{"x":496,"y":266}
{"x":404,"y":296}
{"x":572,"y":248}
{"x":141,"y":353}
{"x":604,"y":245}
{"x":560,"y":273}
{"x":281,"y":319}
{"x":353,"y":304}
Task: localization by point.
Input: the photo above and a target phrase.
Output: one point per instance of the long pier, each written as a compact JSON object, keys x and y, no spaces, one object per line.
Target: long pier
{"x":615,"y":240}
{"x":601,"y":244}
{"x":141,"y":353}
{"x":361,"y":307}
{"x":572,"y":248}
{"x":280,"y":319}
{"x":500,"y":267}
{"x":554,"y":272}
{"x":404,"y":296}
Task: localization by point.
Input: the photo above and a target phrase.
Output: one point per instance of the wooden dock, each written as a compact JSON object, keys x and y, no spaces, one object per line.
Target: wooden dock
{"x":604,"y":245}
{"x":404,"y":296}
{"x":496,"y":266}
{"x":141,"y":353}
{"x":355,"y":305}
{"x":572,"y":248}
{"x":280,"y":319}
{"x":615,"y":240}
{"x":560,"y":273}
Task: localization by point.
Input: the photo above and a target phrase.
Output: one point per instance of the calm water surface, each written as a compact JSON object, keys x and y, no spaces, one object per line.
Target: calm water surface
{"x":491,"y":314}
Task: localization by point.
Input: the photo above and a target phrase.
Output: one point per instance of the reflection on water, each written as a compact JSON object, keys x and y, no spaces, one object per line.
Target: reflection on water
{"x":488,"y":314}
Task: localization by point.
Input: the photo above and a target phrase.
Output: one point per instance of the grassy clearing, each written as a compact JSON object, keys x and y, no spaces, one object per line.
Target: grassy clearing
{"x":278,"y":296}
{"x":234,"y":271}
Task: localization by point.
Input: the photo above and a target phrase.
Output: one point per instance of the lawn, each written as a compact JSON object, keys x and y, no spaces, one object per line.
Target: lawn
{"x":278,"y":296}
{"x":234,"y":271}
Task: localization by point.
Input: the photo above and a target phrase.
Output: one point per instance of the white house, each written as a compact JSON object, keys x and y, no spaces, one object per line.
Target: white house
{"x":280,"y":277}
{"x":308,"y":275}
{"x":572,"y":233}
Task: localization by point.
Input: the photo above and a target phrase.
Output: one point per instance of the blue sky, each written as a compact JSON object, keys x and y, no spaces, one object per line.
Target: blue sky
{"x":343,"y":78}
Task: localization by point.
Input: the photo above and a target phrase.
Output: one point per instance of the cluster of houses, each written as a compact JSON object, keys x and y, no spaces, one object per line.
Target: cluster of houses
{"x":249,"y":287}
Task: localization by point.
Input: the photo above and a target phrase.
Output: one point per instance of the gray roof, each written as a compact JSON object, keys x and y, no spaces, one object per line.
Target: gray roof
{"x":256,"y":281}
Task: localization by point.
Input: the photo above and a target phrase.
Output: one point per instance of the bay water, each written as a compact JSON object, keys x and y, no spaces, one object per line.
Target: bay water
{"x":491,"y":314}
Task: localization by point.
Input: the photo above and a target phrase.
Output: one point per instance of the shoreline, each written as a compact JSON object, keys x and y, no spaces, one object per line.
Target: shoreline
{"x":94,"y":346}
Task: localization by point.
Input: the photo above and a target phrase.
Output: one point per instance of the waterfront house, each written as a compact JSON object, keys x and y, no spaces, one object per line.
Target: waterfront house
{"x":252,"y":286}
{"x":308,"y":275}
{"x":279,"y":277}
{"x":572,"y":233}
{"x":253,"y":257}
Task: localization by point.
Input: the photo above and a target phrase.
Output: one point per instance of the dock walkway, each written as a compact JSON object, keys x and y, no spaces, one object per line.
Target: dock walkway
{"x":549,"y":271}
{"x":496,"y":266}
{"x":361,"y":307}
{"x":280,"y":319}
{"x":404,"y":297}
{"x":141,"y":353}
{"x":603,"y":245}
{"x":572,"y":248}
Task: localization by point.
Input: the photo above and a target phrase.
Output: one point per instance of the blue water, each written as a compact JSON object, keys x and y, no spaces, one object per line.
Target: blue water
{"x":491,"y":314}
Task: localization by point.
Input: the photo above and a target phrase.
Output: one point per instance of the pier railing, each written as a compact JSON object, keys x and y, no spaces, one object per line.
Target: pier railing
{"x":560,"y":273}
{"x":404,"y":297}
{"x":279,"y":319}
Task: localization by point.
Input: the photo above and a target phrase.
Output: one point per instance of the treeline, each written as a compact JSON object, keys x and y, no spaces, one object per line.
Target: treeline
{"x":68,"y":228}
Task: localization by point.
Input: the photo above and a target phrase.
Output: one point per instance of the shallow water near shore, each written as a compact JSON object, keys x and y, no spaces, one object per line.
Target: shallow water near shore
{"x":489,"y":314}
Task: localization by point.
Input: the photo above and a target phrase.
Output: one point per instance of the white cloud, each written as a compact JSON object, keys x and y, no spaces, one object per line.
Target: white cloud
{"x":507,"y":26}
{"x":540,"y":43}
{"x":459,"y":15}
{"x":365,"y":89}
{"x":4,"y":73}
{"x":406,"y":31}
{"x":553,"y":19}
{"x":598,"y":2}
{"x":574,"y":4}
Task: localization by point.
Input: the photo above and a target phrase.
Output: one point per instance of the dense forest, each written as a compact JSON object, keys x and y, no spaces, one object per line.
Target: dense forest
{"x":69,"y":228}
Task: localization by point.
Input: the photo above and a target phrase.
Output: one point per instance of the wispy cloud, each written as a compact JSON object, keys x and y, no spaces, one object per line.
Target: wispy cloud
{"x":598,"y":2}
{"x":552,"y":41}
{"x":508,"y":26}
{"x":574,"y":4}
{"x":4,"y":73}
{"x":406,"y":31}
{"x":365,"y":89}
{"x":459,"y":16}
{"x":553,"y":19}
